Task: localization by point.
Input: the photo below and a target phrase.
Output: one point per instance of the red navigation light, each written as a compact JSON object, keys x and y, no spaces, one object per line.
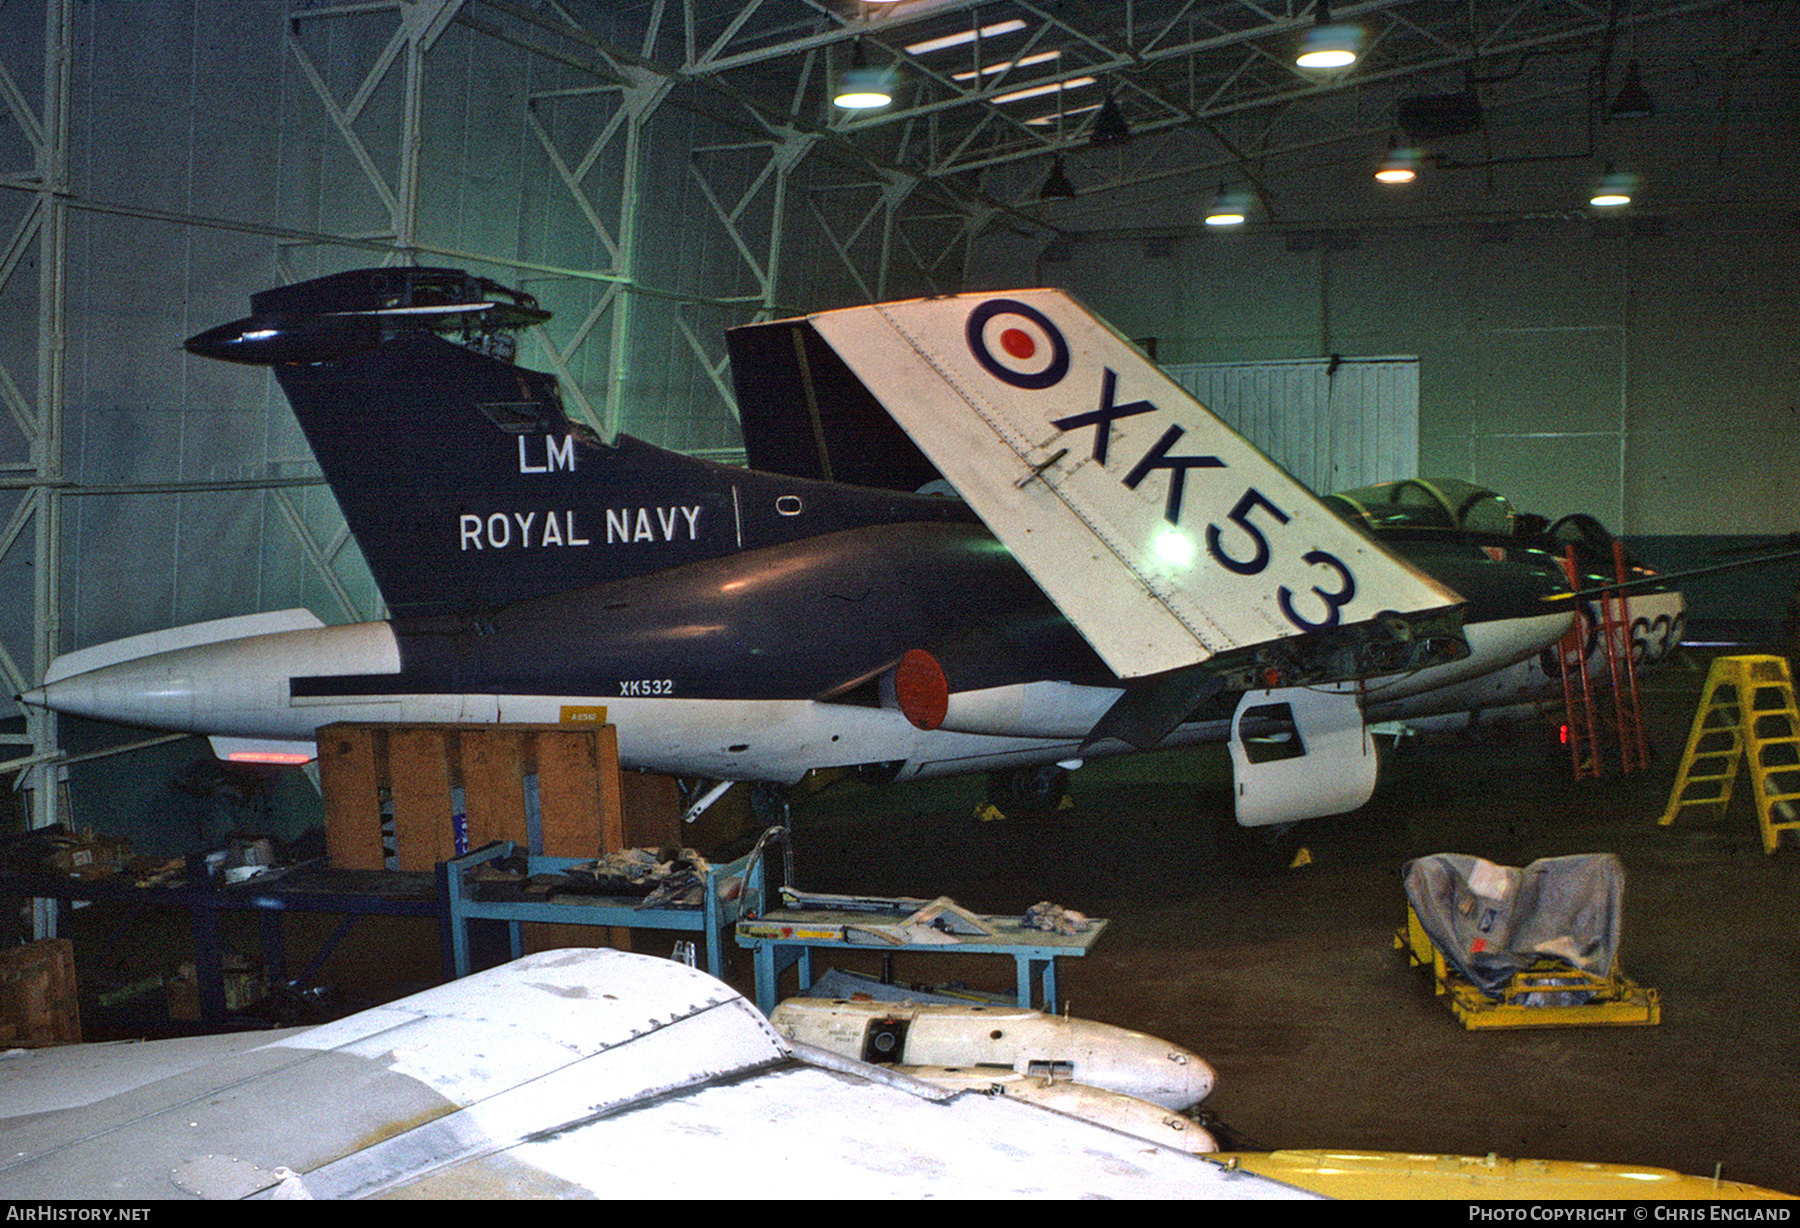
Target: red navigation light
{"x":278,"y":757}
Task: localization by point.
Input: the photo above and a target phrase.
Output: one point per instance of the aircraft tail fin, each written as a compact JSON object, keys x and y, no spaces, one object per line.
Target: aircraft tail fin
{"x":463,"y":481}
{"x":805,"y":414}
{"x":1164,"y":536}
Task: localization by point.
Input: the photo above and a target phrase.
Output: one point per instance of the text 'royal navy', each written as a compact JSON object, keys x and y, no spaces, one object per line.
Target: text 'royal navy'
{"x":547,"y":530}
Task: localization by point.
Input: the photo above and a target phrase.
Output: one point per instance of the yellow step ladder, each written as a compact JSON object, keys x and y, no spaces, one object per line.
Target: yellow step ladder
{"x":1746,"y":712}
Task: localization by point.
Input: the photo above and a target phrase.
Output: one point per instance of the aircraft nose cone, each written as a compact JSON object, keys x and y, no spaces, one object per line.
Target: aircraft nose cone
{"x":148,"y":693}
{"x":1193,"y":1077}
{"x":236,"y":686}
{"x":1144,"y":1066}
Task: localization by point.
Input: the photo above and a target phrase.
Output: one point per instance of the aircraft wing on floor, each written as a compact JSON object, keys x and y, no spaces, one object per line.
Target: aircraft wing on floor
{"x":575,"y":1073}
{"x":1162,"y":535}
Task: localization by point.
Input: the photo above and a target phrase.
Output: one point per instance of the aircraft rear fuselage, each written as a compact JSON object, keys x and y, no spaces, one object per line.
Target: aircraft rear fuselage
{"x":807,"y":619}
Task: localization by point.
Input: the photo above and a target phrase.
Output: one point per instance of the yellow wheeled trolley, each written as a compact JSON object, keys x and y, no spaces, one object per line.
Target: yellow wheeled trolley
{"x":1548,"y":994}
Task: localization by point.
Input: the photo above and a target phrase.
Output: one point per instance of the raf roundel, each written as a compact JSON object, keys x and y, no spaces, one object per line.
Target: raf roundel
{"x":1017,"y":344}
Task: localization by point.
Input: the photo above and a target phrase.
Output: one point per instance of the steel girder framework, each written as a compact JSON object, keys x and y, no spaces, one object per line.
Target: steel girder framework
{"x":371,"y":90}
{"x":990,"y":84}
{"x":38,"y":237}
{"x":733,"y":96}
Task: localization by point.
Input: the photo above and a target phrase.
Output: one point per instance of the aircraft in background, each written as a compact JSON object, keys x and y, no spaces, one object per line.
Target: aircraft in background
{"x":1120,"y":570}
{"x":1422,"y":518}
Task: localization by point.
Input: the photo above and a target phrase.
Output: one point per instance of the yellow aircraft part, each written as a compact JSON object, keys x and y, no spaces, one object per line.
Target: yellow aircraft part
{"x":1375,"y":1174}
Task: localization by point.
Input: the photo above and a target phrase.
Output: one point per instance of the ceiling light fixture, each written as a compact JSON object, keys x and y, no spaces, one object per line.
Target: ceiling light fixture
{"x":1012,"y":26}
{"x":1038,"y":91}
{"x":1615,"y":189}
{"x":1042,"y":57}
{"x":862,"y":88}
{"x":1109,"y":127}
{"x":1229,"y":208}
{"x":1057,"y":116}
{"x":1633,"y":100}
{"x":1400,"y":164}
{"x":1056,"y":184}
{"x":1328,"y":44}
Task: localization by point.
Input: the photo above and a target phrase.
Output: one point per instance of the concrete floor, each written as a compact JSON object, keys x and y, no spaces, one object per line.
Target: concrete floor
{"x":1287,"y":980}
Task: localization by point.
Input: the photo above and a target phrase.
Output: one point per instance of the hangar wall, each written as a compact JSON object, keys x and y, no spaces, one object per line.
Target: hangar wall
{"x":161,"y":161}
{"x":1332,"y":425}
{"x":1647,"y":373}
{"x":217,"y":147}
{"x":1642,"y":366}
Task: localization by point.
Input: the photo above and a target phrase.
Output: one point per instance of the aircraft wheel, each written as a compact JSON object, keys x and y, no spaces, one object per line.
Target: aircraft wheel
{"x":769,"y":802}
{"x":1032,"y":792}
{"x":1258,"y":851}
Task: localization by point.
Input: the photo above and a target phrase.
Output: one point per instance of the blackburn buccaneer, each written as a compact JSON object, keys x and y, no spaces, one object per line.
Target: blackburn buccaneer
{"x":1112,"y":568}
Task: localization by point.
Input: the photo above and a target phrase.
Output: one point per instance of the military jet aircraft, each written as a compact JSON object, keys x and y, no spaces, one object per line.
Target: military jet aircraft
{"x":1114,"y":568}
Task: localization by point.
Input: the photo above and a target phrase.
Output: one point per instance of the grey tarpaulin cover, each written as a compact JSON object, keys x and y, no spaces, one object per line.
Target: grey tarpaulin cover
{"x":1491,"y":921}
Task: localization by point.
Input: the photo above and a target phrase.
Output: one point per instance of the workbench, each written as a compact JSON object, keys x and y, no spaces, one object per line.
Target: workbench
{"x":786,"y":938}
{"x":309,"y":888}
{"x":718,"y":909}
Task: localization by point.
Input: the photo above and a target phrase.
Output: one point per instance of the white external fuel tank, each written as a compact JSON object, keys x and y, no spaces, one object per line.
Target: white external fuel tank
{"x":1115,"y":1110}
{"x":1004,"y":1038}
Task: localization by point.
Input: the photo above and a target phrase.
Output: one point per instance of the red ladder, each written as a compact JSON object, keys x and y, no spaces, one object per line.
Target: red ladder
{"x":1579,"y":720}
{"x":1582,"y":705}
{"x":1628,"y":710}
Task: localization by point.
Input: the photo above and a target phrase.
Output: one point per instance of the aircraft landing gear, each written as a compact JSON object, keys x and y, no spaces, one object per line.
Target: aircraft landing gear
{"x":1272,"y":848}
{"x":1033,"y":792}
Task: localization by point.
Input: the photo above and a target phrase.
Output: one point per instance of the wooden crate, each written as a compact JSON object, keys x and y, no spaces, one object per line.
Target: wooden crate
{"x":243,"y":988}
{"x":407,"y":778}
{"x":39,"y":1004}
{"x":391,"y":798}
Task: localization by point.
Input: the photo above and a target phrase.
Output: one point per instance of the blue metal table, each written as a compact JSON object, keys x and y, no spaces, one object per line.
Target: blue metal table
{"x":786,"y":938}
{"x":710,"y":919}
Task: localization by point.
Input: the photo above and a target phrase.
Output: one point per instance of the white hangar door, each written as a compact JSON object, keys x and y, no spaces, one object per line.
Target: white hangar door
{"x":1334,"y":424}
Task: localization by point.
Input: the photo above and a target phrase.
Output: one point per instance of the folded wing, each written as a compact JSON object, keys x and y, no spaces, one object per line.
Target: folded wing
{"x":1163,"y":535}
